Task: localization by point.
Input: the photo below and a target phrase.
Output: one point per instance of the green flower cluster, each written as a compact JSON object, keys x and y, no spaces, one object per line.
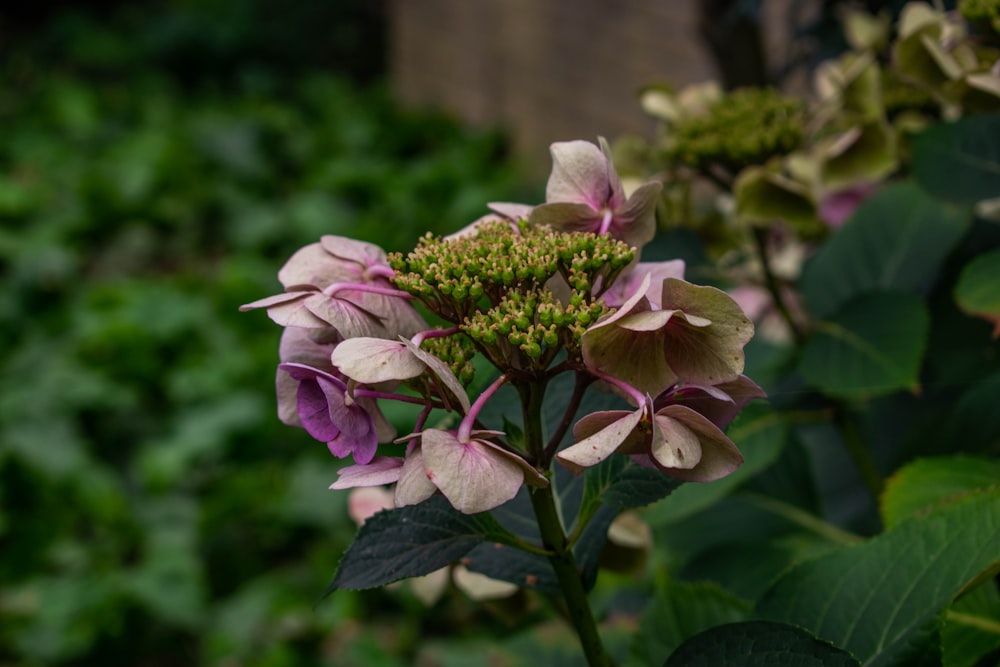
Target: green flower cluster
{"x":521,"y":292}
{"x":745,"y":127}
{"x":981,"y":12}
{"x":457,"y":352}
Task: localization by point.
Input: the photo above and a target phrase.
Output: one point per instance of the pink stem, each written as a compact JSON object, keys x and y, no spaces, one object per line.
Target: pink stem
{"x":634,"y":393}
{"x":465,"y":428}
{"x":606,"y":222}
{"x":433,"y":333}
{"x":333,"y":288}
{"x":380,"y":271}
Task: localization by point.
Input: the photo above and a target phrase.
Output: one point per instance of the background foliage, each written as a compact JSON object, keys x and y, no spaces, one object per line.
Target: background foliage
{"x":152,"y":509}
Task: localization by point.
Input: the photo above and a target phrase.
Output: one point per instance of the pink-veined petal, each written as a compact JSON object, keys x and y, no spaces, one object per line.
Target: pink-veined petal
{"x":380,"y":470}
{"x":414,"y":486}
{"x":719,"y":456}
{"x":673,"y":444}
{"x":472,"y":475}
{"x":313,"y":266}
{"x":351,"y":250}
{"x":579,"y":174}
{"x":601,"y":444}
{"x":374,"y":360}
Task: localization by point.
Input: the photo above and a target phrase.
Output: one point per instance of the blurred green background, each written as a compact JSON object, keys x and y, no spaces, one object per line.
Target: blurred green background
{"x":158,"y":163}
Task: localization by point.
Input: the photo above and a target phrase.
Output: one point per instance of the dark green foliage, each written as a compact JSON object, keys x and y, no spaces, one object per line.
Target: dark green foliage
{"x":152,"y":508}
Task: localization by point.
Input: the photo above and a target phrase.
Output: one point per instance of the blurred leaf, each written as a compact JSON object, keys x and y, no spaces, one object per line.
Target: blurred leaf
{"x":873,"y":345}
{"x":869,"y":158}
{"x":924,"y":484}
{"x":763,"y":196}
{"x":971,"y":627}
{"x":878,"y":599}
{"x":758,"y":644}
{"x":978,"y":289}
{"x":960,"y":161}
{"x":972,"y":420}
{"x":678,"y":612}
{"x":896,"y":239}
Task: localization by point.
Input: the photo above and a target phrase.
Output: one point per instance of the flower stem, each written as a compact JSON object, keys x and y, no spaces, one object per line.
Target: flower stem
{"x":550,"y":526}
{"x":858,"y":451}
{"x":771,"y":281}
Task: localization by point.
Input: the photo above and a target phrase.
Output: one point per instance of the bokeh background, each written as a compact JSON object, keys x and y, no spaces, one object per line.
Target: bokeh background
{"x":158,"y":162}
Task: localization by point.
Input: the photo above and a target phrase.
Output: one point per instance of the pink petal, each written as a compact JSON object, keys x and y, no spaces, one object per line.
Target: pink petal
{"x":511,"y":210}
{"x":580,"y":175}
{"x":374,"y":360}
{"x":367,"y":501}
{"x":719,"y":456}
{"x":381,"y":470}
{"x":635,"y":222}
{"x":474,"y":476}
{"x":414,"y":486}
{"x":674,"y":445}
{"x":567,"y":217}
{"x":601,"y":444}
{"x":314,"y":267}
{"x":351,"y":250}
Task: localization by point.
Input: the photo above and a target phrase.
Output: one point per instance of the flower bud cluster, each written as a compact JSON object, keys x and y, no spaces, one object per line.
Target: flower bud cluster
{"x":455,"y":278}
{"x":743,"y":128}
{"x":528,"y":330}
{"x":457,"y":352}
{"x":521,"y":292}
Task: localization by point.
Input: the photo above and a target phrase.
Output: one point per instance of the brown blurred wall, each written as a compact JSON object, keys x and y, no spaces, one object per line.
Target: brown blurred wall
{"x":551,"y":70}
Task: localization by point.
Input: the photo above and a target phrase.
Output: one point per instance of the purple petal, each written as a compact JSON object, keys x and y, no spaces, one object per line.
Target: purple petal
{"x":314,"y":411}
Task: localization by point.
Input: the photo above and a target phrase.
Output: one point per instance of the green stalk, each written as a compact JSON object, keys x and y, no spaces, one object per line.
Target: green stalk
{"x":771,"y":282}
{"x":554,"y":537}
{"x":858,"y":451}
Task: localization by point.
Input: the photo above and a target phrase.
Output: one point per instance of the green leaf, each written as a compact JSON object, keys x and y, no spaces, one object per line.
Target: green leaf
{"x":974,"y":421}
{"x":758,"y":644}
{"x":760,"y":437}
{"x":634,"y":486}
{"x":879,"y":599}
{"x":412,"y":541}
{"x":678,"y":612}
{"x":960,"y":161}
{"x":972,"y":627}
{"x":926,"y":483}
{"x":874,"y":345}
{"x":978,"y":290}
{"x":522,"y":568}
{"x":896,"y":239}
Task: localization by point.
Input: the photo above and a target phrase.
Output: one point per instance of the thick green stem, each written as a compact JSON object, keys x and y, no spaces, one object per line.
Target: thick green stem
{"x":858,"y":450}
{"x":554,"y":538}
